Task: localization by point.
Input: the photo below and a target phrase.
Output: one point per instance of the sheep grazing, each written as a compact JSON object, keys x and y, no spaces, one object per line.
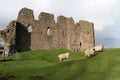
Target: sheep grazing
{"x":99,"y":48}
{"x":89,"y":52}
{"x":63,"y":56}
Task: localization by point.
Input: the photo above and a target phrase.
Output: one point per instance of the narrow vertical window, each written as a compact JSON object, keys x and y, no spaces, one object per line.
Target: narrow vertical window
{"x":1,"y":43}
{"x":29,"y":28}
{"x":80,"y":44}
{"x":48,"y":31}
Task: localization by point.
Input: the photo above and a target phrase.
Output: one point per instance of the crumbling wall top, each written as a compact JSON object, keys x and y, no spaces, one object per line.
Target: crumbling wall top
{"x":25,"y":16}
{"x":85,"y":22}
{"x":44,"y":15}
{"x":64,"y":19}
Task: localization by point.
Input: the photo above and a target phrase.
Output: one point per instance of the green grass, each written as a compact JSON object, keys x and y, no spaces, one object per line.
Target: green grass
{"x":44,"y":65}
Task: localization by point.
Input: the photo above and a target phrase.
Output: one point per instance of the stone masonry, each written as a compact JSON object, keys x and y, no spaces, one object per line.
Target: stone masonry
{"x":48,"y":34}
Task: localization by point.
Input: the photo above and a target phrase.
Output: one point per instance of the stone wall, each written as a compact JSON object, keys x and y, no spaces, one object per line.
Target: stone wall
{"x":9,"y":33}
{"x":48,"y":34}
{"x":86,"y":34}
{"x":9,"y":36}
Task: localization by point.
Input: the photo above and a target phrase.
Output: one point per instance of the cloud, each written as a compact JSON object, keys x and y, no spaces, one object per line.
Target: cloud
{"x":109,"y":36}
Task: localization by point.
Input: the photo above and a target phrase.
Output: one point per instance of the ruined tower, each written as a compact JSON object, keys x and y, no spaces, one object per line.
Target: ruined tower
{"x":48,"y":34}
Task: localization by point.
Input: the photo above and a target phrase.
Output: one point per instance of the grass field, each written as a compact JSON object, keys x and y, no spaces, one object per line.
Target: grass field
{"x":44,"y":65}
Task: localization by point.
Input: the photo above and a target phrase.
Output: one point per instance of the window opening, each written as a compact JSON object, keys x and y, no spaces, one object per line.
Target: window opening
{"x":48,"y":31}
{"x":29,"y":28}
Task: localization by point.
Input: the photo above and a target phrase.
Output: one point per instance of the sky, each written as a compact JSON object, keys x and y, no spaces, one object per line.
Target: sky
{"x":105,"y":14}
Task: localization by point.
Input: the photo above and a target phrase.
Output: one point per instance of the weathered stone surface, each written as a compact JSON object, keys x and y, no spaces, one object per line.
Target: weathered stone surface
{"x":25,"y":17}
{"x":48,"y":34}
{"x":9,"y":35}
{"x":39,"y":37}
{"x":87,"y":34}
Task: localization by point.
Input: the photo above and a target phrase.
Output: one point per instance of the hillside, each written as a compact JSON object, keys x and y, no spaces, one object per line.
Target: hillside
{"x":44,"y":65}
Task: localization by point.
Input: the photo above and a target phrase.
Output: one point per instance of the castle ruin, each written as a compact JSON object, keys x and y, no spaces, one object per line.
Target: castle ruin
{"x":48,"y":34}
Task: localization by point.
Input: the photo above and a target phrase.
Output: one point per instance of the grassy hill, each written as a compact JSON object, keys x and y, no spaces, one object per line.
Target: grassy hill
{"x":44,"y":65}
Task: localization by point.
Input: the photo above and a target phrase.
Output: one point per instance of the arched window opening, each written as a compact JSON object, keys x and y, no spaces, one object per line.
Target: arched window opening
{"x":74,"y":41}
{"x":48,"y":31}
{"x":1,"y":43}
{"x":80,"y":44}
{"x":8,"y":31}
{"x":62,"y":32}
{"x":62,"y":42}
{"x":29,"y":28}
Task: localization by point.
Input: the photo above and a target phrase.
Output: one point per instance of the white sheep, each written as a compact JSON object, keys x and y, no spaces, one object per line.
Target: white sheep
{"x":89,"y":52}
{"x":63,"y":56}
{"x":99,"y":48}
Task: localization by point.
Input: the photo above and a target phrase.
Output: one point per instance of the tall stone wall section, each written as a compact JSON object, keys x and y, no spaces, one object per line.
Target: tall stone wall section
{"x":48,"y":34}
{"x":9,"y":33}
{"x":86,"y":34}
{"x":9,"y":37}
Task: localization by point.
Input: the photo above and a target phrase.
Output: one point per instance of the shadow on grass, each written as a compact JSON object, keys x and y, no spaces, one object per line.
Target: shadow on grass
{"x":7,"y":77}
{"x":7,"y":60}
{"x":37,"y":78}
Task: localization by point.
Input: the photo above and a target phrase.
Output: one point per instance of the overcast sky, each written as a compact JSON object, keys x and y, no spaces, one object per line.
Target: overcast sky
{"x":105,"y":14}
